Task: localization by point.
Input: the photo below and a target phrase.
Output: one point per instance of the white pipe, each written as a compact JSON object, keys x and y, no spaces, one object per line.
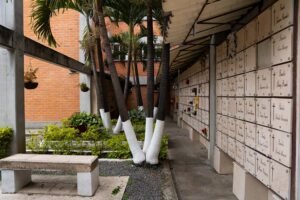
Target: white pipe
{"x":154,"y":148}
{"x":148,"y":133}
{"x":118,"y":126}
{"x":108,"y":120}
{"x":155,"y":110}
{"x":136,"y":151}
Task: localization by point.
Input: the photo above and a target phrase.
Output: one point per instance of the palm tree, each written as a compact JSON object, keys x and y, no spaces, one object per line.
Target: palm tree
{"x":43,"y":10}
{"x":137,"y":153}
{"x":131,"y":14}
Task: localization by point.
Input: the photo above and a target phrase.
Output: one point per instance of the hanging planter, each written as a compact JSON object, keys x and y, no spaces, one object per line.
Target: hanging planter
{"x":31,"y":85}
{"x":30,"y":77}
{"x":84,"y":87}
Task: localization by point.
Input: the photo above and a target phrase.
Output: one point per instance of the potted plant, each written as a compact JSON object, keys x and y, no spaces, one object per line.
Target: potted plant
{"x":30,"y":78}
{"x":84,"y":87}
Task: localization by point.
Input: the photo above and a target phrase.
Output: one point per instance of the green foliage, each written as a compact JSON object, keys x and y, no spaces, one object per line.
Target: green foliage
{"x":94,"y":133}
{"x":6,"y":135}
{"x":118,"y":147}
{"x":116,"y":190}
{"x":82,"y":121}
{"x":55,"y":133}
{"x":163,"y":154}
{"x":114,"y":121}
{"x":136,"y":115}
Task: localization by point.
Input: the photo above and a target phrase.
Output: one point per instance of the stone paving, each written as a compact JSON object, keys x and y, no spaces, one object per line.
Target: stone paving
{"x":194,"y":178}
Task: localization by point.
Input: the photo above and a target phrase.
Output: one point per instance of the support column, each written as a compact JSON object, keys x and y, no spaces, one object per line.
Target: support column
{"x":85,"y":97}
{"x":12,"y":75}
{"x":212,"y":99}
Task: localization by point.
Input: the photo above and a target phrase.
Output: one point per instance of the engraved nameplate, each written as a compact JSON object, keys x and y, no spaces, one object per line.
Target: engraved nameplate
{"x":263,"y":80}
{"x":219,"y":88}
{"x":224,"y":69}
{"x":240,"y":153}
{"x":280,"y":179}
{"x":240,"y":63}
{"x":231,"y":127}
{"x":224,"y":142}
{"x":263,"y":111}
{"x":219,"y":70}
{"x":231,"y":107}
{"x":281,"y":147}
{"x":281,"y":114}
{"x":250,"y":109}
{"x":250,"y":84}
{"x":240,"y":85}
{"x":282,"y":14}
{"x":218,"y":139}
{"x":232,"y":86}
{"x":219,"y":105}
{"x":231,"y":66}
{"x":263,"y":169}
{"x":231,"y":147}
{"x":250,"y":160}
{"x":263,"y":140}
{"x":240,"y":130}
{"x":250,"y":58}
{"x":282,"y":80}
{"x":225,"y":87}
{"x":250,"y":134}
{"x":224,"y":125}
{"x":281,"y":46}
{"x":240,"y":108}
{"x":225,"y":106}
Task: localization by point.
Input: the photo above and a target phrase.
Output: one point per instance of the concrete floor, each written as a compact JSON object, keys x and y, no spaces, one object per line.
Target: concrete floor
{"x":194,"y":179}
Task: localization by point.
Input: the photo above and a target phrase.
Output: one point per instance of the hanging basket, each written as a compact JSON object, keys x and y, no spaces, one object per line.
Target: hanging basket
{"x":84,"y":87}
{"x":31,"y":85}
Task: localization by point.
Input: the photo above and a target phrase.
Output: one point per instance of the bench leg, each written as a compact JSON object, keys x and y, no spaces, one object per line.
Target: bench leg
{"x":14,"y":180}
{"x":88,"y":182}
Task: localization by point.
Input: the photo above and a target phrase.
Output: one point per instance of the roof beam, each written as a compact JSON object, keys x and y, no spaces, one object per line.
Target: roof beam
{"x":39,"y":51}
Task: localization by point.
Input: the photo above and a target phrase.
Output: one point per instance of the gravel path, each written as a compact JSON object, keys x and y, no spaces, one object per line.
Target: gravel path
{"x":144,"y":182}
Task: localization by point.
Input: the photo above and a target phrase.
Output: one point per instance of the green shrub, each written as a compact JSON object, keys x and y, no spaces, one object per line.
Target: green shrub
{"x":55,"y":133}
{"x":136,"y":115}
{"x":94,"y":133}
{"x":6,"y":135}
{"x":163,"y":154}
{"x":118,"y":147}
{"x":82,"y":121}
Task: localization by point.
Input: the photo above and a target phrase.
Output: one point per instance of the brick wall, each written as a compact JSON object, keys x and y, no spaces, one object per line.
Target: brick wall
{"x":57,"y":95}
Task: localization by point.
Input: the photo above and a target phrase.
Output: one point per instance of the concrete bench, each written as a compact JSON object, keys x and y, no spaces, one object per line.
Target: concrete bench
{"x":16,"y":170}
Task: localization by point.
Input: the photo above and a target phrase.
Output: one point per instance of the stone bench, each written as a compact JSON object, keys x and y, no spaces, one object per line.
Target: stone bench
{"x":16,"y":170}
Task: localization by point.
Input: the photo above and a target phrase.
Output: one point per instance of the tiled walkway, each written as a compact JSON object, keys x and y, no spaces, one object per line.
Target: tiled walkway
{"x":193,"y":177}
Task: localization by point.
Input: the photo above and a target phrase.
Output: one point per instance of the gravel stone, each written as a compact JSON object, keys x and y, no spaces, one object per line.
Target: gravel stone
{"x":145,"y":182}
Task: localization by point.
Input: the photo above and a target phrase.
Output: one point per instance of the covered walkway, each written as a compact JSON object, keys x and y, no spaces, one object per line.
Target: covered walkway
{"x":194,"y":178}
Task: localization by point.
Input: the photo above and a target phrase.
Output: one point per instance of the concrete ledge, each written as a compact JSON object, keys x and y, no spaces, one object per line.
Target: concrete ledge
{"x":246,"y":187}
{"x":223,"y":164}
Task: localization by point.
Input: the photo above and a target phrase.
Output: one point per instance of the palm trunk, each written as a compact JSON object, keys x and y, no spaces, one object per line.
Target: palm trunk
{"x":150,"y":77}
{"x":137,"y":153}
{"x":154,"y":147}
{"x":103,"y":107}
{"x":118,"y":126}
{"x":137,"y":85}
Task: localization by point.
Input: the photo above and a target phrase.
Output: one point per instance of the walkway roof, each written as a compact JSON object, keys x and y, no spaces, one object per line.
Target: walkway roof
{"x":193,"y":22}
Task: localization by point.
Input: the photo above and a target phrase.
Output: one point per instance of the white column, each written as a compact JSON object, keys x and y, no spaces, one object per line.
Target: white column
{"x":14,"y":180}
{"x":88,"y":182}
{"x":85,"y":97}
{"x":12,"y":75}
